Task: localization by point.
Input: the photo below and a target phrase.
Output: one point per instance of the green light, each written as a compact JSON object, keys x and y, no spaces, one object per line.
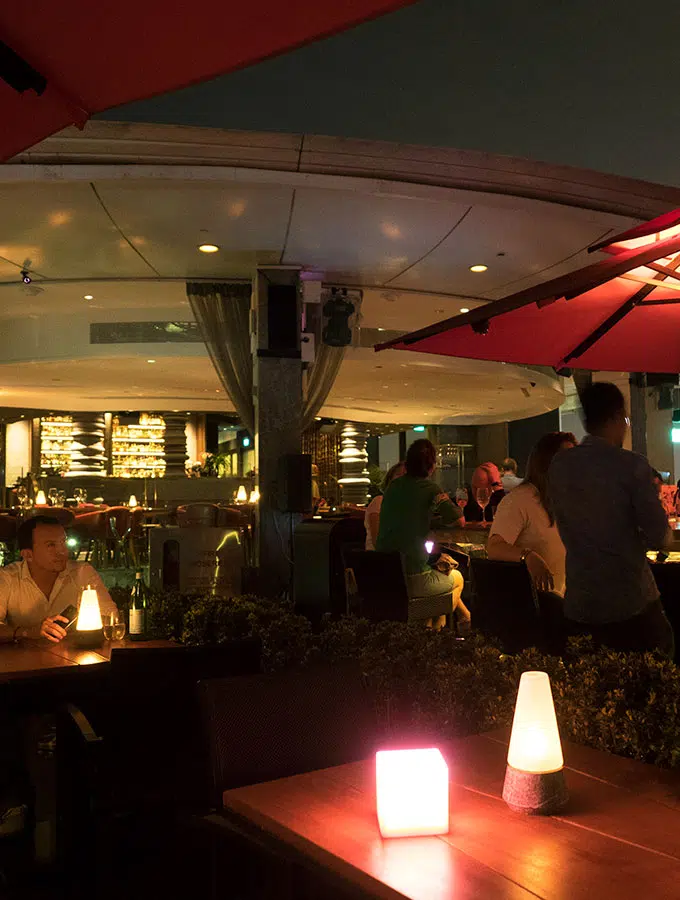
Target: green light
{"x":675,"y":435}
{"x":419,"y":428}
{"x":72,"y":542}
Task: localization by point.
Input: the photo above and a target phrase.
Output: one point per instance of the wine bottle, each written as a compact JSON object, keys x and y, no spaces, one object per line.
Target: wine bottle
{"x":138,"y":609}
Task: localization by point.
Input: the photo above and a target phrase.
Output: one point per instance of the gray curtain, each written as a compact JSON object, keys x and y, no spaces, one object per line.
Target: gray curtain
{"x":322,"y":373}
{"x":222,"y":312}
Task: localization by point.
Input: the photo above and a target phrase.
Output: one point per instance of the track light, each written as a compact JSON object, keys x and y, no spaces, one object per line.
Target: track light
{"x":25,"y":277}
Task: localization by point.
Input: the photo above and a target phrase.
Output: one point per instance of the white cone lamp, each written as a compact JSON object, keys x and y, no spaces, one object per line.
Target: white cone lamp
{"x":89,"y":631}
{"x":254,"y":496}
{"x":534,"y":779}
{"x":412,"y":792}
{"x":40,"y":499}
{"x":241,"y":495}
{"x":132,"y":502}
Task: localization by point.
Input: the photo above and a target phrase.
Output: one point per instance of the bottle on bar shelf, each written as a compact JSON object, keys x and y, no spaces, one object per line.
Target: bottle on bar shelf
{"x":137,"y":625}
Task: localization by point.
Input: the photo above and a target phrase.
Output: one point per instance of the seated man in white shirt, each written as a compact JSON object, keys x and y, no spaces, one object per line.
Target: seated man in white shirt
{"x":33,"y":592}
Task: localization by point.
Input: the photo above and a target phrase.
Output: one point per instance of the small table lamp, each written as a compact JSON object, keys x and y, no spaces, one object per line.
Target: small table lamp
{"x":534,"y":778}
{"x":241,"y":495}
{"x":132,"y":502}
{"x":89,"y":630}
{"x":412,"y":792}
{"x":40,"y":499}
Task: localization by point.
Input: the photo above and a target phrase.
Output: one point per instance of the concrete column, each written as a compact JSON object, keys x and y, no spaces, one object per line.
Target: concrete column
{"x":88,"y":457}
{"x":638,"y":412}
{"x":175,"y":450}
{"x":277,"y":387}
{"x":354,"y":480}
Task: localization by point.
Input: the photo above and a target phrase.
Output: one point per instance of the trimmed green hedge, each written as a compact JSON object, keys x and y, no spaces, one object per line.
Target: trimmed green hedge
{"x":431,"y":682}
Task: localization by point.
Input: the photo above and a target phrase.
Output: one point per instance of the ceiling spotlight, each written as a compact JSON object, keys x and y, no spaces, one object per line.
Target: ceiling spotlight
{"x":25,"y":277}
{"x":88,"y":297}
{"x":151,"y":360}
{"x":464,"y":309}
{"x":478,"y":268}
{"x":208,"y":248}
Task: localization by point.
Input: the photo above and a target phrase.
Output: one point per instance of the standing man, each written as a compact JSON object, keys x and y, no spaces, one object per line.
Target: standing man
{"x":33,"y":592}
{"x":608,"y":514}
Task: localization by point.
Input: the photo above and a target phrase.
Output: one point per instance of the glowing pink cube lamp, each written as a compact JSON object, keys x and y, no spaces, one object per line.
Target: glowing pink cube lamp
{"x":412,"y":792}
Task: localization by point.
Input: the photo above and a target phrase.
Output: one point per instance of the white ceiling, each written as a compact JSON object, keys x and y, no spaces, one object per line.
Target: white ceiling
{"x":101,"y":229}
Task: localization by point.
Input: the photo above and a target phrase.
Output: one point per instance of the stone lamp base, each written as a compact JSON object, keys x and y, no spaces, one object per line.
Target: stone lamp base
{"x":535,"y":795}
{"x":87,"y":640}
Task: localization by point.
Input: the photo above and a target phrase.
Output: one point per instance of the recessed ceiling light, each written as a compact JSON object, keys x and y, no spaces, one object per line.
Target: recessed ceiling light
{"x":478,"y":268}
{"x":464,"y":309}
{"x":88,"y":297}
{"x":151,"y":360}
{"x":381,"y":329}
{"x":208,"y":248}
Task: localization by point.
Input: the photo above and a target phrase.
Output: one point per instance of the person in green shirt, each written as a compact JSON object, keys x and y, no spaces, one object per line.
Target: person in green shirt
{"x":408,"y":508}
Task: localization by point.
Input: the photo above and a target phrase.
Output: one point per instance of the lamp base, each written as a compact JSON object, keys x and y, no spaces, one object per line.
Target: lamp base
{"x":87,"y":640}
{"x":535,"y":795}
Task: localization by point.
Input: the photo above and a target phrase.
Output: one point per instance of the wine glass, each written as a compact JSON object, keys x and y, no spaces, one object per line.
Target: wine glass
{"x":53,"y":496}
{"x":114,"y":625}
{"x":462,"y":497}
{"x":483,"y":497}
{"x":78,"y":495}
{"x":61,"y":498}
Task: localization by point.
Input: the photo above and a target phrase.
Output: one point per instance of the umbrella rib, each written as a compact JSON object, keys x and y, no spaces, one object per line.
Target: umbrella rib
{"x":619,"y":314}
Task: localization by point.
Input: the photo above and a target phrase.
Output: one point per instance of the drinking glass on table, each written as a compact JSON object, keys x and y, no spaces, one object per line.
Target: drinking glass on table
{"x":53,"y":496}
{"x":114,"y":626}
{"x":462,"y":497}
{"x":61,"y":498}
{"x":483,"y":497}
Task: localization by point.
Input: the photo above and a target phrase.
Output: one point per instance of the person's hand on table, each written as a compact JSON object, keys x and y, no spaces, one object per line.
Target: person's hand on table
{"x":540,"y":573}
{"x":52,"y":630}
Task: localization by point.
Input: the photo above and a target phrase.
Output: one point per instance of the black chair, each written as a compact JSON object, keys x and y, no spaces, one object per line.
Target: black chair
{"x":667,"y":577}
{"x":382,"y":590}
{"x":507,"y":608}
{"x":271,"y":726}
{"x":147,"y":731}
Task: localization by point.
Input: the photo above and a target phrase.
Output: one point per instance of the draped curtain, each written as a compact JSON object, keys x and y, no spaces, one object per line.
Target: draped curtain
{"x":222,"y":312}
{"x":322,"y":373}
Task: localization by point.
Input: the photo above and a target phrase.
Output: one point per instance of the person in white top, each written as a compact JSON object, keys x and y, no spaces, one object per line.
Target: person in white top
{"x":509,"y":478}
{"x":33,"y":592}
{"x":372,"y":514}
{"x":524,"y":527}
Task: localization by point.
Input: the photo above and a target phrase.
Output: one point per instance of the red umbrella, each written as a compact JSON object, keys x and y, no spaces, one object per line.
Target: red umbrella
{"x":620,"y":314}
{"x":62,"y":62}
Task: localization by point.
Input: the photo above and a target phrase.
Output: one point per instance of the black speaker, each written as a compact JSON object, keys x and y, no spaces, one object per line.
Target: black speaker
{"x":294,"y":486}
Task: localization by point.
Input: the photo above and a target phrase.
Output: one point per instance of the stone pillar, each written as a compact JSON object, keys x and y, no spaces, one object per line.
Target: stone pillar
{"x":277,"y":387}
{"x":175,"y":444}
{"x":638,"y":412}
{"x":88,"y":457}
{"x":354,"y":480}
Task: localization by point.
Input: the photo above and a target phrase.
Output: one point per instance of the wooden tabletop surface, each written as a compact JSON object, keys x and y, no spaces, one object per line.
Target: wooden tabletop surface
{"x":40,"y":658}
{"x":619,"y":837}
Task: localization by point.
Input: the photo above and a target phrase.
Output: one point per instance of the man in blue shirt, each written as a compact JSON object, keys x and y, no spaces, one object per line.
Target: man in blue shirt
{"x":608,"y":513}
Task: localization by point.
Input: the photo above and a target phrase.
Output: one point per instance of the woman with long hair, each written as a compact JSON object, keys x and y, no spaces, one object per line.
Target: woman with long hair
{"x":524,"y":527}
{"x":408,"y":507}
{"x":372,"y":514}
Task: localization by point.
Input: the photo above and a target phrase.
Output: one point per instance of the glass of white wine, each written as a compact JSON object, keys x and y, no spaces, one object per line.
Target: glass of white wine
{"x":114,"y":626}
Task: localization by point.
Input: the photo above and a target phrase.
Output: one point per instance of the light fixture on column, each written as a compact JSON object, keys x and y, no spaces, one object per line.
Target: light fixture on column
{"x":534,"y":778}
{"x":412,"y":792}
{"x":89,"y":632}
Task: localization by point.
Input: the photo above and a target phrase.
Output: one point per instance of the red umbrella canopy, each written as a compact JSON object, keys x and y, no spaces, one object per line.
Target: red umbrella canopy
{"x":62,"y":62}
{"x":620,"y":314}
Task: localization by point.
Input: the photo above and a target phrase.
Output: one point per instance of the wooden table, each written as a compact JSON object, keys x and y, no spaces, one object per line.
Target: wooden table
{"x":619,"y":837}
{"x":41,"y":659}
